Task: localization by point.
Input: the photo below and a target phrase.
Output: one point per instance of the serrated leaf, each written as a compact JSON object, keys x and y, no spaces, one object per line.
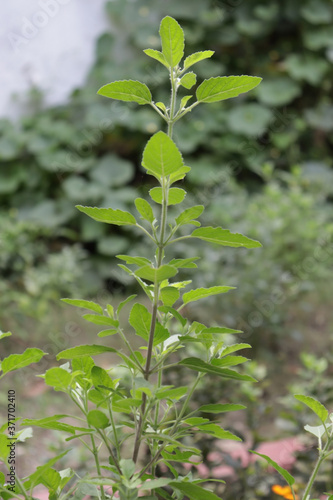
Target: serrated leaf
{"x":127,"y":90}
{"x":140,"y":319}
{"x":156,"y":274}
{"x":100,"y":377}
{"x":224,"y":237}
{"x":100,"y":320}
{"x":224,"y":87}
{"x":108,"y":215}
{"x":180,"y":174}
{"x":197,"y":57}
{"x":84,"y":350}
{"x":84,"y":304}
{"x":17,"y":361}
{"x":175,"y":314}
{"x":188,"y":80}
{"x":144,"y":209}
{"x":169,"y":295}
{"x":199,"y":365}
{"x":157,"y":55}
{"x":221,"y":408}
{"x":193,"y":491}
{"x":318,"y":408}
{"x":285,"y":474}
{"x":175,"y":195}
{"x":172,"y":38}
{"x":124,"y":302}
{"x":202,"y":293}
{"x":97,"y":419}
{"x":58,"y":378}
{"x":161,"y":157}
{"x":189,"y":215}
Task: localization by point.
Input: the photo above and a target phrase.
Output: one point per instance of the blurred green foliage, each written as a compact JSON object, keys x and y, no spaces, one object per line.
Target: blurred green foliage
{"x":88,"y":151}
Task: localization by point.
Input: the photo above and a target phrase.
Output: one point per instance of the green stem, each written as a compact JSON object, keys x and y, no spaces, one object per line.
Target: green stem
{"x":321,"y":458}
{"x":114,"y":430}
{"x":160,"y":254}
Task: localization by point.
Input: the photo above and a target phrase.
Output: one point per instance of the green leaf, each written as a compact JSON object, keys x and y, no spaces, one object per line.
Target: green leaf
{"x":84,"y":350}
{"x":175,"y":195}
{"x":156,"y":54}
{"x":53,"y":424}
{"x":184,"y":101}
{"x":17,"y":361}
{"x":224,"y":237}
{"x":100,"y":377}
{"x":318,"y":408}
{"x":127,"y":90}
{"x":180,"y":174}
{"x":184,"y":263}
{"x":4,"y":449}
{"x":58,"y":378}
{"x":188,"y":80}
{"x":138,"y":261}
{"x":172,"y":38}
{"x":173,"y":394}
{"x":169,"y":295}
{"x":97,"y":419}
{"x":51,"y":479}
{"x":140,"y":320}
{"x":193,"y":491}
{"x":189,"y":215}
{"x":35,"y":477}
{"x":161,"y":156}
{"x":225,"y":87}
{"x":220,"y":330}
{"x":202,"y":293}
{"x":175,"y":314}
{"x":210,"y":428}
{"x":124,"y":302}
{"x":285,"y":474}
{"x":234,"y":348}
{"x":2,"y":478}
{"x":144,"y":209}
{"x":108,"y":215}
{"x":229,"y":361}
{"x":197,"y":57}
{"x":106,"y":333}
{"x":100,"y":320}
{"x":155,"y":483}
{"x":318,"y":430}
{"x":221,"y":408}
{"x":201,"y":366}
{"x":156,"y":274}
{"x":85,"y":304}
{"x":4,"y":334}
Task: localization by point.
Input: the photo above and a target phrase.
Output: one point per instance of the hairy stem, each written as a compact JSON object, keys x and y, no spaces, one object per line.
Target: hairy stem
{"x":321,"y":458}
{"x":160,"y":255}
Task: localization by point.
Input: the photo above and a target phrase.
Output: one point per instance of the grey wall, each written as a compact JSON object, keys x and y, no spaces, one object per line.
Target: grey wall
{"x":48,"y":44}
